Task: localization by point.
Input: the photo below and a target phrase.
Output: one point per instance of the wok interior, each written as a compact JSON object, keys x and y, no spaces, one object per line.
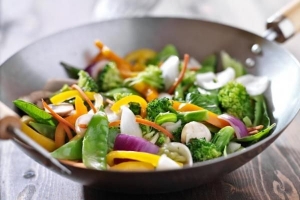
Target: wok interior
{"x":29,"y":69}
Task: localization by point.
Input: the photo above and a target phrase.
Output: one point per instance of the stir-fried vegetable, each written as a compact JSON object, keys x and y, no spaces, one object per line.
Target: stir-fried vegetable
{"x":150,"y":111}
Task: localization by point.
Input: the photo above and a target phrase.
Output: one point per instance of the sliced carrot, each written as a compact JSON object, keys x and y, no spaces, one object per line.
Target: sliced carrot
{"x":156,"y":126}
{"x":99,"y":44}
{"x":181,"y":75}
{"x":82,"y":125}
{"x":60,"y":135}
{"x":56,"y":116}
{"x":212,"y":117}
{"x":68,"y":131}
{"x":147,"y":123}
{"x":84,"y":97}
{"x":114,"y":123}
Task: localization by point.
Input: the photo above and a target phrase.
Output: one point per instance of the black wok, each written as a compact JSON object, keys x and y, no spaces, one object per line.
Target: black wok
{"x":28,"y":70}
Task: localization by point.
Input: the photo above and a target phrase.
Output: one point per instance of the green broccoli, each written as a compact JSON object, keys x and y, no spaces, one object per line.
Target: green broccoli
{"x":109,"y":78}
{"x":151,"y":76}
{"x":157,"y":106}
{"x":177,"y":134}
{"x":87,"y":83}
{"x":135,"y":108}
{"x":202,"y":150}
{"x":162,"y":139}
{"x":235,"y":100}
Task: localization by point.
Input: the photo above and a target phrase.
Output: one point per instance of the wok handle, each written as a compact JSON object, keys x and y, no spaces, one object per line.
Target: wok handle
{"x":285,"y":23}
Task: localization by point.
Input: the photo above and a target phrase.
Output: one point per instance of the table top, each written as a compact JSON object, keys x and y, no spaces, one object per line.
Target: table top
{"x":274,"y":174}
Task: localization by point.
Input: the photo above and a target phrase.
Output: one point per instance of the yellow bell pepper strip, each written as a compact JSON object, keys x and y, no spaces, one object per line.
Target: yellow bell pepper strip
{"x":85,"y":97}
{"x":133,"y":166}
{"x":132,"y":155}
{"x":131,"y":98}
{"x":63,"y":96}
{"x":139,"y":58}
{"x":212,"y":117}
{"x":57,"y":117}
{"x":80,"y":109}
{"x":45,"y":142}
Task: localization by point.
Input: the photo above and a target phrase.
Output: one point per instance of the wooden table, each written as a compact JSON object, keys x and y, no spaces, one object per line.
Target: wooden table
{"x":274,"y":174}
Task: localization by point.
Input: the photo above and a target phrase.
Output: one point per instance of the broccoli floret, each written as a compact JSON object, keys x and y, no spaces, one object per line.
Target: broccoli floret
{"x":151,"y":76}
{"x":202,"y":150}
{"x":177,"y":134}
{"x":157,"y":106}
{"x":109,"y":78}
{"x":162,"y":139}
{"x":118,"y":96}
{"x":135,"y":108}
{"x":235,"y":100}
{"x":87,"y":83}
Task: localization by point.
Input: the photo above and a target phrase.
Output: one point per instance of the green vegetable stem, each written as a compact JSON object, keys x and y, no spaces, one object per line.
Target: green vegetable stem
{"x":95,"y":142}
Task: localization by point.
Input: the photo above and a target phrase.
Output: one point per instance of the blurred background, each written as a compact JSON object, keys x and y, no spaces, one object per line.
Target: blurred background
{"x":23,"y":22}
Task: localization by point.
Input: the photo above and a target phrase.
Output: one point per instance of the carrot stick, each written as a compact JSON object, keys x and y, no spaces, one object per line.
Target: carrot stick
{"x":147,"y":123}
{"x":60,"y":135}
{"x":181,"y":75}
{"x":99,"y":44}
{"x":56,"y":116}
{"x":85,"y":97}
{"x":152,"y":124}
{"x":114,"y":123}
{"x":68,"y":131}
{"x":82,"y":125}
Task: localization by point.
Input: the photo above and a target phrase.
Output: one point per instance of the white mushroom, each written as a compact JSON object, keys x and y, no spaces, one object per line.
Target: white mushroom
{"x":195,"y":130}
{"x":62,"y":109}
{"x":182,"y":150}
{"x":82,"y":120}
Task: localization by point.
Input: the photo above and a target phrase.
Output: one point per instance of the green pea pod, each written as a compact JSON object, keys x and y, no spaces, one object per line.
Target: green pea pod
{"x":223,"y":137}
{"x":44,"y":129}
{"x":70,"y":151}
{"x":71,"y":70}
{"x":95,"y":145}
{"x":258,"y":136}
{"x":260,"y":112}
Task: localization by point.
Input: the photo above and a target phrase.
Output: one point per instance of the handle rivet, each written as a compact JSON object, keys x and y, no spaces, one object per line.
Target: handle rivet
{"x":29,"y":174}
{"x":250,"y":62}
{"x":256,"y":49}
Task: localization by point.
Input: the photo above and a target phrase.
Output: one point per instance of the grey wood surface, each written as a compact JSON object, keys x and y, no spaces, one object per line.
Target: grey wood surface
{"x":274,"y":174}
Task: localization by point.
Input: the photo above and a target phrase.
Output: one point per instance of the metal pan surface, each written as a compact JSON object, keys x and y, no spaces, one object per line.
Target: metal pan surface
{"x":30,"y":68}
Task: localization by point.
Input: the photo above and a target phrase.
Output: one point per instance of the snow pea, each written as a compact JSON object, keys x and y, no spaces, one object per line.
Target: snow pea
{"x":71,"y":150}
{"x":95,"y":146}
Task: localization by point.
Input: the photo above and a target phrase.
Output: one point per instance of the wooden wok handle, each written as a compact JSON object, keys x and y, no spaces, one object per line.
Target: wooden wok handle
{"x":285,"y":23}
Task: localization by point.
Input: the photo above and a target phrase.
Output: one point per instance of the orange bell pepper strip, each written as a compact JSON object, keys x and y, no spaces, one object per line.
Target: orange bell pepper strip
{"x":212,"y":117}
{"x":63,"y":96}
{"x":133,"y":166}
{"x":80,"y":109}
{"x":131,"y":98}
{"x":148,"y":92}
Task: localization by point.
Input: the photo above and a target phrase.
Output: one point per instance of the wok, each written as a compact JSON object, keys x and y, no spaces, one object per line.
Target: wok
{"x":30,"y":68}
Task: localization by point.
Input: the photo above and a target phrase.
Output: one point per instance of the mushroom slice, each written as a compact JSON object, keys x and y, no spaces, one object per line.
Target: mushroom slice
{"x":82,"y":120}
{"x":195,"y":130}
{"x":181,"y":150}
{"x":62,"y":109}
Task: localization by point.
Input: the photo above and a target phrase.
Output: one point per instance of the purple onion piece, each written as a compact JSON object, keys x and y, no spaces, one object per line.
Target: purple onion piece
{"x":89,"y":68}
{"x":132,"y":143}
{"x":237,"y":124}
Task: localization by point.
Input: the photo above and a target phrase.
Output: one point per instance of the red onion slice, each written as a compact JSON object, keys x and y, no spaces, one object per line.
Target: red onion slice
{"x":132,"y":143}
{"x":238,"y":125}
